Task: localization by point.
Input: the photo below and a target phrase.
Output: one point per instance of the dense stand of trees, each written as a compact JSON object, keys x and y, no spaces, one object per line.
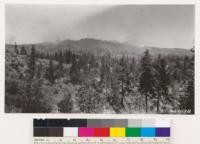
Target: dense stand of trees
{"x":106,"y":81}
{"x":187,"y":102}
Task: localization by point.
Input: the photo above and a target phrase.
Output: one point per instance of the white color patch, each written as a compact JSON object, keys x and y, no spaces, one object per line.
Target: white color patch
{"x":70,"y":131}
{"x":163,"y":123}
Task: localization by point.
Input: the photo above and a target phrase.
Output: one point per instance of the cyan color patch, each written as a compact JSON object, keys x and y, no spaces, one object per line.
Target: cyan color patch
{"x":148,"y":132}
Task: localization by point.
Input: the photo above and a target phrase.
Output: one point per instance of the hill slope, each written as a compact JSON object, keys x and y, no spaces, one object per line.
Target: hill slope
{"x":101,"y":46}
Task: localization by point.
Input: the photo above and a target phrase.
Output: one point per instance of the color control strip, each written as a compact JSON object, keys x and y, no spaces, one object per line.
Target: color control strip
{"x":101,"y":132}
{"x":101,"y":128}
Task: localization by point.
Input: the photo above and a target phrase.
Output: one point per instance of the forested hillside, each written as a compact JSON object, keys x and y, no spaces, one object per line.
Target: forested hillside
{"x":94,"y":76}
{"x":100,"y":47}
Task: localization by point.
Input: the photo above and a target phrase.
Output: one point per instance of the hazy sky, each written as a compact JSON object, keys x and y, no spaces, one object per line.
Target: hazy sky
{"x":169,"y":26}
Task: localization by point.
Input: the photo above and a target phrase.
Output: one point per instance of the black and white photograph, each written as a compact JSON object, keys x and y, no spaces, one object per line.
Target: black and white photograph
{"x":100,"y":59}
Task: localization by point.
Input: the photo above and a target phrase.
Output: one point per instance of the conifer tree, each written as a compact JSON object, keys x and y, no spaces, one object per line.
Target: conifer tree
{"x":132,"y":65}
{"x":32,"y":62}
{"x":105,"y":74}
{"x":60,"y":58}
{"x":59,"y":71}
{"x":146,"y":81}
{"x":162,"y":80}
{"x":123,"y":76}
{"x":68,"y":56}
{"x":39,"y":70}
{"x":16,"y":49}
{"x":50,"y":72}
{"x":115,"y":99}
{"x":74,"y":71}
{"x":23,"y":51}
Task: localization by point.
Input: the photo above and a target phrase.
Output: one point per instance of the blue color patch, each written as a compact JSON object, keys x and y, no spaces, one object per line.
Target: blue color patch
{"x":148,"y":132}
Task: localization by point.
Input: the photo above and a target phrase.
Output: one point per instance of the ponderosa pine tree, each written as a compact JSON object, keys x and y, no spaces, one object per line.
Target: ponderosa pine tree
{"x":133,"y":66}
{"x":39,"y":70}
{"x":115,"y":99}
{"x":50,"y":72}
{"x":92,"y":61}
{"x":59,"y":71}
{"x":31,"y":64}
{"x":146,"y":80}
{"x":74,"y":70}
{"x":23,"y":50}
{"x":162,"y":80}
{"x":68,"y":56}
{"x":103,"y":69}
{"x":124,"y":76}
{"x":16,"y":49}
{"x":105,"y":74}
{"x":185,"y":67}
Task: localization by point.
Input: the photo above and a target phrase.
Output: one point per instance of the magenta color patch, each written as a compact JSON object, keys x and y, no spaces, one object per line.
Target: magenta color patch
{"x":85,"y":132}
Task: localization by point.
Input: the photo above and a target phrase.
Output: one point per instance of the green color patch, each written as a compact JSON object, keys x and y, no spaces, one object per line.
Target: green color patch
{"x":132,"y":132}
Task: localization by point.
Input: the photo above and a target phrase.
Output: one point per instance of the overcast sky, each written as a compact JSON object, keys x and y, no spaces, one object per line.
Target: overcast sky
{"x":169,"y":26}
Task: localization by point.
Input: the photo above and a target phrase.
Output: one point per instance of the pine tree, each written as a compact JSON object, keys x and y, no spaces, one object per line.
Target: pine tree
{"x":68,"y":55}
{"x":59,"y":72}
{"x":185,"y":67}
{"x":39,"y":70}
{"x":132,"y":66}
{"x":132,"y":73}
{"x":50,"y":72}
{"x":103,"y":69}
{"x":32,"y":62}
{"x":92,"y":61}
{"x":23,"y":51}
{"x":162,"y":80}
{"x":146,"y":82}
{"x":120,"y":83}
{"x":16,"y":49}
{"x":105,"y":74}
{"x":74,"y":71}
{"x":60,"y":58}
{"x":56,"y":57}
{"x":123,"y":76}
{"x":47,"y":56}
{"x":177,"y":75}
{"x":115,"y":99}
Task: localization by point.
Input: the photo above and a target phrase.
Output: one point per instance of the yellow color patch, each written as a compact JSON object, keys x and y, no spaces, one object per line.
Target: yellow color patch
{"x":117,"y":132}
